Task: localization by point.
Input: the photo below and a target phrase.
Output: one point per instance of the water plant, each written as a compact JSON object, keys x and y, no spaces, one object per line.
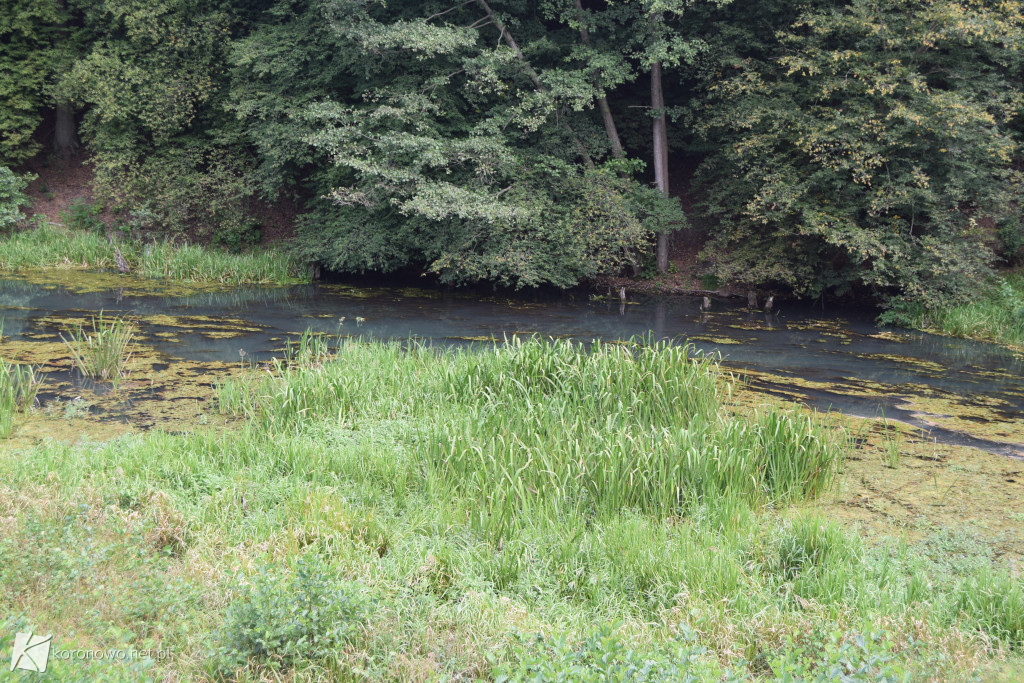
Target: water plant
{"x":996,"y":315}
{"x":311,"y":349}
{"x":552,"y":428}
{"x":193,"y":263}
{"x":19,"y":385}
{"x":893,"y":443}
{"x":102,"y":352}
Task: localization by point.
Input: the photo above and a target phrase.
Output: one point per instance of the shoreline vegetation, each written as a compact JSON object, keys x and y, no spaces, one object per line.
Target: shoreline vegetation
{"x":52,"y":246}
{"x":997,"y":315}
{"x":532,"y":511}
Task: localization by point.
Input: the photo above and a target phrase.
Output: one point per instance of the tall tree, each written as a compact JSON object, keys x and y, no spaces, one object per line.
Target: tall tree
{"x":477,"y":146}
{"x":27,"y":38}
{"x":873,"y":145}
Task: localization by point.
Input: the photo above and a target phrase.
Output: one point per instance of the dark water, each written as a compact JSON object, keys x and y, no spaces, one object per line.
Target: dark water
{"x":828,"y":360}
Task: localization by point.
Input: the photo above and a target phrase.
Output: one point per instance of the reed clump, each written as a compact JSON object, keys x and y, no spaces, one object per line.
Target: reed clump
{"x":996,"y":315}
{"x":542,"y":429}
{"x":19,"y":385}
{"x":101,"y":351}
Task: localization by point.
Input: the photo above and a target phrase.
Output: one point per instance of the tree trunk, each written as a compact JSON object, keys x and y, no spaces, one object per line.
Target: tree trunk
{"x":65,"y":140}
{"x":660,"y":154}
{"x":602,"y":101}
{"x":528,"y":68}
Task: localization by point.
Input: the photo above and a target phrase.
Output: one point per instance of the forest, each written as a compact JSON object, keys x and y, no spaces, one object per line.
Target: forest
{"x":864,"y":149}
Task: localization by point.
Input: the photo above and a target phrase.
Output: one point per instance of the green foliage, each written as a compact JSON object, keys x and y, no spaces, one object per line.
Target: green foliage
{"x":286,"y":618}
{"x":467,"y":158}
{"x":153,"y":86}
{"x":470,"y":141}
{"x":854,"y":154}
{"x":85,"y":216}
{"x":12,"y":197}
{"x":831,"y":657}
{"x":27,"y":54}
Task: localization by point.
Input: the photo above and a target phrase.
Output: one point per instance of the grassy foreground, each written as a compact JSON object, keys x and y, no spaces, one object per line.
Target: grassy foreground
{"x":49,"y":245}
{"x":530,"y":512}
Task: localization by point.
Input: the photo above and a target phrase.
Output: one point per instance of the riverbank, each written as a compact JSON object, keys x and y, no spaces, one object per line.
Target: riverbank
{"x":407,"y":514}
{"x":46,"y":245}
{"x":997,"y":315}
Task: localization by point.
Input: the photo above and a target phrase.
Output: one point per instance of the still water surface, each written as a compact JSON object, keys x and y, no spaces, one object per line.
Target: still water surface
{"x":963,"y":391}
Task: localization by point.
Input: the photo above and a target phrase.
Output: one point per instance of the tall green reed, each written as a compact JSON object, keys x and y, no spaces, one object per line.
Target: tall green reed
{"x":19,"y":385}
{"x":101,"y":353}
{"x":547,"y":429}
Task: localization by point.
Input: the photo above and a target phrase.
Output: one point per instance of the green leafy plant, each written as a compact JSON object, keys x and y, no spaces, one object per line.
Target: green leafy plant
{"x":604,"y":658}
{"x":12,"y":197}
{"x":84,"y":215}
{"x":287,"y":617}
{"x":101,"y":353}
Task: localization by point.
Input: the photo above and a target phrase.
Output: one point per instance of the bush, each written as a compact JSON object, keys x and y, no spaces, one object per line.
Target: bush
{"x":12,"y":197}
{"x":84,"y":215}
{"x":287,"y":618}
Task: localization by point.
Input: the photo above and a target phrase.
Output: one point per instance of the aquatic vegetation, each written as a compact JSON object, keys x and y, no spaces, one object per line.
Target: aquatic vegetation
{"x":48,"y":245}
{"x":19,"y":385}
{"x":997,"y":315}
{"x":552,"y":428}
{"x":102,"y":353}
{"x":893,"y":443}
{"x":193,"y":263}
{"x":311,"y":350}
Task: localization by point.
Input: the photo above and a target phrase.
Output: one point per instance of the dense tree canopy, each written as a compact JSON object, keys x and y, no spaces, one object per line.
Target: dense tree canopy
{"x":865,"y":144}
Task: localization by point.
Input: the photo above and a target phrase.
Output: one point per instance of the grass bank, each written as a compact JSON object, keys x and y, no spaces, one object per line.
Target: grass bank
{"x":52,"y":246}
{"x":997,"y":315}
{"x":531,"y":512}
